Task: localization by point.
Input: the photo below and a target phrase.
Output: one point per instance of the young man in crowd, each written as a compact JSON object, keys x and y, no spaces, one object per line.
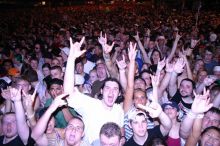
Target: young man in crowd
{"x":105,"y":109}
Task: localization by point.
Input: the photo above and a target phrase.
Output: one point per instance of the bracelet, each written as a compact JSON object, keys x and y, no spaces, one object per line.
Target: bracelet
{"x":200,"y":116}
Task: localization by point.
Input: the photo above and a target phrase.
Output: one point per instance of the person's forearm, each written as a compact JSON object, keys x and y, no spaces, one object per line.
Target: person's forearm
{"x":114,"y":57}
{"x":170,"y":57}
{"x":166,"y":123}
{"x":123,"y":78}
{"x":188,"y":69}
{"x":164,"y":84}
{"x":143,"y":52}
{"x":8,"y":105}
{"x":130,"y":87}
{"x":173,"y":84}
{"x":22,"y":127}
{"x":200,"y":88}
{"x":111,"y":68}
{"x":40,"y":127}
{"x":69,"y":80}
{"x":31,"y":116}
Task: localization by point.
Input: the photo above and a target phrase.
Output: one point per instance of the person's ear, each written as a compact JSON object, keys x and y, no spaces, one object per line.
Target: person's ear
{"x":101,"y":91}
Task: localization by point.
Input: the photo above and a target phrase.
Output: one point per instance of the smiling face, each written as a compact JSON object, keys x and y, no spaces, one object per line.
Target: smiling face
{"x":110,"y":93}
{"x":186,"y":88}
{"x":74,"y":132}
{"x":210,"y":138}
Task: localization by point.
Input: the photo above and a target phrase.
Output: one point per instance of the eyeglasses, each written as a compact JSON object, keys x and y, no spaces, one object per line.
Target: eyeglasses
{"x":77,"y":128}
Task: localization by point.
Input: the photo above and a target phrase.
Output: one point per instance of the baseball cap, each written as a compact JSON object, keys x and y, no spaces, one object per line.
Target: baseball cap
{"x":132,"y":114}
{"x":172,"y":104}
{"x":13,"y":72}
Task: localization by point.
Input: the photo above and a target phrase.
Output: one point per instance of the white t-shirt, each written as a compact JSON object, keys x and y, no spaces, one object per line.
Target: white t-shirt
{"x":94,"y":114}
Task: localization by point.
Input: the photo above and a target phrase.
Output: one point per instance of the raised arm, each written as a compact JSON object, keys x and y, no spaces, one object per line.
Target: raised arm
{"x":183,"y":54}
{"x":206,"y":82}
{"x":38,"y":131}
{"x":143,"y":52}
{"x":165,"y":82}
{"x":155,"y":111}
{"x":196,"y":112}
{"x":22,"y":127}
{"x":106,"y":55}
{"x":131,"y":72}
{"x":122,"y":72}
{"x":178,"y":68}
{"x":75,"y":52}
{"x":29,"y":104}
{"x":177,"y":38}
{"x":155,"y":84}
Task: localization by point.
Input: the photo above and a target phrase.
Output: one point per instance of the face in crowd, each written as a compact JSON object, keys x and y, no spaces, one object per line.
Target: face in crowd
{"x":9,"y":127}
{"x":110,"y":92}
{"x":139,"y":125}
{"x":74,"y":132}
{"x":186,"y":88}
{"x":210,"y":137}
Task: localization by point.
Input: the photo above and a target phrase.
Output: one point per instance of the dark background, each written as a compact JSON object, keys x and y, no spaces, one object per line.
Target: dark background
{"x":176,"y":4}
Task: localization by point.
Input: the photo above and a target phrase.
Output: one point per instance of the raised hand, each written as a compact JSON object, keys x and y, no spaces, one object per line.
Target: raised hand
{"x":28,"y":98}
{"x":161,"y":64}
{"x":209,"y":80}
{"x":132,"y":51}
{"x":107,"y":48}
{"x":193,"y":43}
{"x":75,"y":48}
{"x":59,"y":101}
{"x":137,"y":38}
{"x":102,"y":40}
{"x":148,"y":32}
{"x":155,"y":80}
{"x":15,"y":94}
{"x":201,"y":103}
{"x":179,"y":65}
{"x":154,"y":109}
{"x":121,"y":64}
{"x":178,"y":37}
{"x":169,"y":66}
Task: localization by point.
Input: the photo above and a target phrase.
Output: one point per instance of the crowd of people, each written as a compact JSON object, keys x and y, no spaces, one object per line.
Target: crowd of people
{"x":109,"y":76}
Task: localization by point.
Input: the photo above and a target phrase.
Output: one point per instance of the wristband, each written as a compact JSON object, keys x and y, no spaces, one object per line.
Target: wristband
{"x":192,"y":115}
{"x":199,"y":116}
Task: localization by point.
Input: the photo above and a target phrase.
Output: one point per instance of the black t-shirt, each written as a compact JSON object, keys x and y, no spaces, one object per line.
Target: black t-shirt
{"x":17,"y":141}
{"x":152,"y":133}
{"x":184,"y":107}
{"x":178,"y":99}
